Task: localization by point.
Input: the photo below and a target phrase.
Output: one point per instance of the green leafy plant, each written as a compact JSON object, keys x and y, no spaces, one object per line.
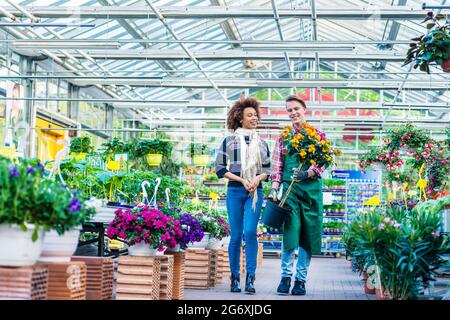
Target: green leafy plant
{"x":431,"y":47}
{"x":199,"y":149}
{"x":81,"y":144}
{"x":144,"y":147}
{"x":28,"y":196}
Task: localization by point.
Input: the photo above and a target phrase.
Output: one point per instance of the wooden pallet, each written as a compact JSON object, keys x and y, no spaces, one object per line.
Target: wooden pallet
{"x":225,"y":264}
{"x":215,"y":274}
{"x":138,"y":278}
{"x":66,"y":280}
{"x":23,"y":283}
{"x":100,"y":277}
{"x":197,"y":269}
{"x":179,"y":262}
{"x":166,"y":277}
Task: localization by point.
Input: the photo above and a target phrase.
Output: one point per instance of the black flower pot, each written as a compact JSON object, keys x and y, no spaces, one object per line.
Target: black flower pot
{"x":274,"y":215}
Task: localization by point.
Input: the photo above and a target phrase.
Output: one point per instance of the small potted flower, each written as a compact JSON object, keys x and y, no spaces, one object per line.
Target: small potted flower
{"x":147,"y":231}
{"x":192,"y":230}
{"x":215,"y":227}
{"x":153,"y":150}
{"x":200,"y":154}
{"x":80,"y":147}
{"x":431,"y":47}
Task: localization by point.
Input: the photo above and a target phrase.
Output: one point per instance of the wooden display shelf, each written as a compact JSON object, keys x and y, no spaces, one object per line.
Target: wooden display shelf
{"x":23,"y":283}
{"x":138,"y":278}
{"x":166,"y":277}
{"x":66,"y":280}
{"x":179,"y":262}
{"x":197,"y":269}
{"x":100,"y":277}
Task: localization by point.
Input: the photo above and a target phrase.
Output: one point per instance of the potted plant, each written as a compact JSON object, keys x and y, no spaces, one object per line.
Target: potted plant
{"x":80,"y":147}
{"x":146,"y":231}
{"x":200,"y":154}
{"x":21,"y":227}
{"x":192,"y":230}
{"x":431,"y":47}
{"x":114,"y":146}
{"x":65,"y":215}
{"x":153,"y":150}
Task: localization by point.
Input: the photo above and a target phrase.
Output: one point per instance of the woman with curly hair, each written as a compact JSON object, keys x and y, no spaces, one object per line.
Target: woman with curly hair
{"x":248,"y":159}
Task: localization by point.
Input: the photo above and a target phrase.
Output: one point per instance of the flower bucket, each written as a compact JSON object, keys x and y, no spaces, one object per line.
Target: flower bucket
{"x":201,"y":160}
{"x":214,"y":243}
{"x":79,"y":156}
{"x":274,"y":215}
{"x":59,"y":248}
{"x":17,"y":248}
{"x":153,"y":159}
{"x":446,"y":65}
{"x":200,"y":244}
{"x":143,"y":250}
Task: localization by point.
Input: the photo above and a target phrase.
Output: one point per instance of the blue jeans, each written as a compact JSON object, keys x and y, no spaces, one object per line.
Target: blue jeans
{"x":243,"y":220}
{"x":287,"y":261}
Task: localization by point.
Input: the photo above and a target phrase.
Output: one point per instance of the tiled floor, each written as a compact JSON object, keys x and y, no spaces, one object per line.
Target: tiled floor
{"x":328,"y":279}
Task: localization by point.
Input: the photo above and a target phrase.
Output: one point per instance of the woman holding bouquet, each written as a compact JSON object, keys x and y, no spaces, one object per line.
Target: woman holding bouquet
{"x":249,"y":163}
{"x":296,"y":148}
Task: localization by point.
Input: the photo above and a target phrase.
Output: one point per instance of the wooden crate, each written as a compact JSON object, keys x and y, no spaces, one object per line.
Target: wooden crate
{"x":100,"y":277}
{"x":138,"y":278}
{"x":259,"y":258}
{"x":23,"y":283}
{"x":215,"y":270}
{"x":225,"y":265}
{"x":66,"y":280}
{"x":166,"y":277}
{"x":197,"y":269}
{"x":179,"y":263}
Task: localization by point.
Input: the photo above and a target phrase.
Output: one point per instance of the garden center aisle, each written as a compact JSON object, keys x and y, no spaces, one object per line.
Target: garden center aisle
{"x":329,"y":279}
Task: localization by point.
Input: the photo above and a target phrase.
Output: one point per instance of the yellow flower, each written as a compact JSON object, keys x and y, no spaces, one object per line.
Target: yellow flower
{"x":312,"y":161}
{"x":337,"y":151}
{"x":422,"y":183}
{"x":322,"y":142}
{"x":311,"y":149}
{"x":302,"y":153}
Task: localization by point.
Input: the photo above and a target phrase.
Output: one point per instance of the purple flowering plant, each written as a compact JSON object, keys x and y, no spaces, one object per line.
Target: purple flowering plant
{"x":143,"y":224}
{"x":28,"y":196}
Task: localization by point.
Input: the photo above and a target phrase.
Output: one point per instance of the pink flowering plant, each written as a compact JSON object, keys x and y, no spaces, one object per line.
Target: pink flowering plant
{"x":217,"y":226}
{"x":145,"y":225}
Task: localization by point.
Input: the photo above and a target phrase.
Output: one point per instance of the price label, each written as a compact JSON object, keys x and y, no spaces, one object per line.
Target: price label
{"x":328,"y":198}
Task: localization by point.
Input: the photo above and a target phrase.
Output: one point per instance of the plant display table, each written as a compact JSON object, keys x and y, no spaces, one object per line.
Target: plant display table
{"x":66,"y":280}
{"x":100,"y":277}
{"x":23,"y":283}
{"x":166,"y":277}
{"x":138,"y":278}
{"x":197,"y":270}
{"x":179,"y":261}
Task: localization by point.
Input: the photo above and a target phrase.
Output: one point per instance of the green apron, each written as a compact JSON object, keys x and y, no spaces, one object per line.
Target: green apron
{"x":304,"y":225}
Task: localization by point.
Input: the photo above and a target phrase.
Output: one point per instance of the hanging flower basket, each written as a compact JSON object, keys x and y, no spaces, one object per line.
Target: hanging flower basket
{"x":200,"y":160}
{"x":446,"y":65}
{"x":79,"y":156}
{"x":153,"y":159}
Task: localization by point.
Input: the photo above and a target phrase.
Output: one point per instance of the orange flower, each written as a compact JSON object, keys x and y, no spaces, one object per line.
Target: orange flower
{"x":311,"y":149}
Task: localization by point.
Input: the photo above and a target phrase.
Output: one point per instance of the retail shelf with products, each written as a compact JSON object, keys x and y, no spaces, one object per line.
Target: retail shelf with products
{"x":333,"y":217}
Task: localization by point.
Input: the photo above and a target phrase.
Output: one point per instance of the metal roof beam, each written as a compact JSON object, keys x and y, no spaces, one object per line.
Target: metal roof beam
{"x":228,"y":55}
{"x":208,"y":12}
{"x":385,"y":84}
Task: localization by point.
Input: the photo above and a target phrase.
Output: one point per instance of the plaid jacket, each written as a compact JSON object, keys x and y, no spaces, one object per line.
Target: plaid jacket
{"x":278,"y":160}
{"x":230,"y":153}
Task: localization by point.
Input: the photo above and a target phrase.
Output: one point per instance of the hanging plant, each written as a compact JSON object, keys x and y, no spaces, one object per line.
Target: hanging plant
{"x":431,"y":47}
